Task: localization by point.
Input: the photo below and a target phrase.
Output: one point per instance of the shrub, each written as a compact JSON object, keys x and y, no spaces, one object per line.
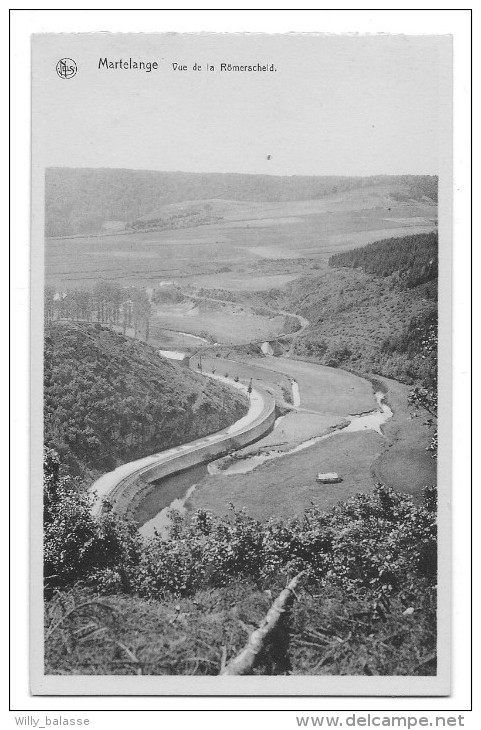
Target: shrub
{"x":373,"y":542}
{"x":77,"y":545}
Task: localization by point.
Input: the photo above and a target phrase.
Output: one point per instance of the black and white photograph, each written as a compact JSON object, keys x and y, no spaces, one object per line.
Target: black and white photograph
{"x":241,"y":431}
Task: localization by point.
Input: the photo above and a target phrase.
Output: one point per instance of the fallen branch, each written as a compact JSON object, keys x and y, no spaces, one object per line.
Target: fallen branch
{"x":246,"y":660}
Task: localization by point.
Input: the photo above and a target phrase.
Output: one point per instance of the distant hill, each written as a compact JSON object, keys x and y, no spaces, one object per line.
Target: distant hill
{"x":110,"y":399}
{"x":83,"y":200}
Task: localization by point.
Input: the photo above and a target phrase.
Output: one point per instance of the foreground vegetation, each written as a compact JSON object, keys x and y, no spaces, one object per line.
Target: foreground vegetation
{"x":367,"y":603}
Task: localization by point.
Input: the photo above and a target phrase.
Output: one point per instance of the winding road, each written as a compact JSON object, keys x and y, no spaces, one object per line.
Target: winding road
{"x":120,"y":486}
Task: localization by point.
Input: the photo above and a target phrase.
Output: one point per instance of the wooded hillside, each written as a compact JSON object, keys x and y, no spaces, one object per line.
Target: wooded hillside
{"x":413,"y":258}
{"x":373,"y":311}
{"x":110,"y":399}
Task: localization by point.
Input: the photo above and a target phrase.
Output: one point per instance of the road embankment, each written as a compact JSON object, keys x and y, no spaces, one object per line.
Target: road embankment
{"x":122,"y":485}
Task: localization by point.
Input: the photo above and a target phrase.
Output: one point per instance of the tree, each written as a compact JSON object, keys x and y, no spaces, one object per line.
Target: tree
{"x":141,"y":310}
{"x":49,"y":304}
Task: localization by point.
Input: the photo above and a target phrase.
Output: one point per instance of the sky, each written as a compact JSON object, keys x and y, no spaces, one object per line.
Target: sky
{"x":336,"y":105}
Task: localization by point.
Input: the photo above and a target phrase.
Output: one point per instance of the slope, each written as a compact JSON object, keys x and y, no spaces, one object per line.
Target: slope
{"x":82,"y":200}
{"x":111,"y":399}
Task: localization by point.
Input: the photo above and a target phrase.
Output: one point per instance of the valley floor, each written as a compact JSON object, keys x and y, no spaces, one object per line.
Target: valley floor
{"x":276,"y":476}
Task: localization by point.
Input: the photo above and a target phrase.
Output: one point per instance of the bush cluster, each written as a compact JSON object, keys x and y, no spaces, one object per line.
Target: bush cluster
{"x":77,"y":545}
{"x":372,"y":543}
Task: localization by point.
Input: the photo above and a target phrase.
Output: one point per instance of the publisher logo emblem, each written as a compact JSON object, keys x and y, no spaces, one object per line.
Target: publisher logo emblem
{"x":66,"y":68}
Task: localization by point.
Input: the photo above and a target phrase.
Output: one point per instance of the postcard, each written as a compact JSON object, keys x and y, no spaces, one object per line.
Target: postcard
{"x":241,"y":427}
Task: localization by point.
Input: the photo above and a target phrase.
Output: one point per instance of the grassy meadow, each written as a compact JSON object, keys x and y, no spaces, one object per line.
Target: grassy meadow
{"x":222,"y":322}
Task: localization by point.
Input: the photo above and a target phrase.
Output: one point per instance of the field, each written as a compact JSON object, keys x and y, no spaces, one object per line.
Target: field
{"x":251,"y":249}
{"x":287,"y":485}
{"x":255,"y":247}
{"x":222,"y":322}
{"x":325,"y":390}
